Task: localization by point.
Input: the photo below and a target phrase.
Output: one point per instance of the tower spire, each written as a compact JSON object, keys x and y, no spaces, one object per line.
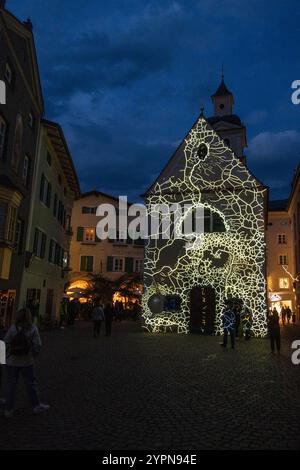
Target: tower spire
{"x":222,"y":98}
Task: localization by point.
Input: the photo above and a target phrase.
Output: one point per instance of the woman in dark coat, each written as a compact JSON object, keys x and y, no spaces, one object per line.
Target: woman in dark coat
{"x":274,"y":330}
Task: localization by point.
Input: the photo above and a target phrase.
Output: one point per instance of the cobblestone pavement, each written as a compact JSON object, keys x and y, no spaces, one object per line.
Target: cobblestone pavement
{"x":137,"y":390}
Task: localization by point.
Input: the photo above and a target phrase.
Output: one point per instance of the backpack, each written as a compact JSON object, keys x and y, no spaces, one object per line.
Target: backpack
{"x":20,"y":344}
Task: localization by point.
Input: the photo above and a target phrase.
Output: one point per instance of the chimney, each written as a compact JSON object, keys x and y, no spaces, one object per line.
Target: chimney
{"x":2,"y":4}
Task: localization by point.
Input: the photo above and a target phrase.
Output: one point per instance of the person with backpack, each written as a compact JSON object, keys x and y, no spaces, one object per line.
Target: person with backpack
{"x":228,"y":320}
{"x":23,"y":343}
{"x":98,"y":317}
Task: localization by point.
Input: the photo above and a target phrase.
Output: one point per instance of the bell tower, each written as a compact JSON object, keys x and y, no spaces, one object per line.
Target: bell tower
{"x":223,"y":100}
{"x":225,"y":123}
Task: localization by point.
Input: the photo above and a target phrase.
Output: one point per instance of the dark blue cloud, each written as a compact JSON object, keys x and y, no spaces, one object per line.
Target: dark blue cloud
{"x":126,"y":80}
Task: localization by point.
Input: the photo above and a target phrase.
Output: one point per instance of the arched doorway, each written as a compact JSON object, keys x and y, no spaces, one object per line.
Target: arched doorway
{"x":202,"y":310}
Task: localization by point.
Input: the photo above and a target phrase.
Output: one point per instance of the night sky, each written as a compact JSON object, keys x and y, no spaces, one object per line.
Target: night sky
{"x":126,"y":80}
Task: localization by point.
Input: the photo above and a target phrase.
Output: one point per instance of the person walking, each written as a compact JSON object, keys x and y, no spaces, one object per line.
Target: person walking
{"x":62,"y":313}
{"x":288,"y":314}
{"x":2,"y":335}
{"x":228,"y":319}
{"x":23,"y":344}
{"x":247,"y":323}
{"x":98,"y":317}
{"x":283,"y":314}
{"x":108,"y":314}
{"x":274,"y":331}
{"x":237,"y":315}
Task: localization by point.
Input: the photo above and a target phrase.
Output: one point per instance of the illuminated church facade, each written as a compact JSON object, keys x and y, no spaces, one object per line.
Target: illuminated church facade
{"x":189,"y":280}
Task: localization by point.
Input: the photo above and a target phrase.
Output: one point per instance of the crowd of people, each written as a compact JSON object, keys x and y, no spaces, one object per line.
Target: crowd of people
{"x":236,"y":317}
{"x":286,"y":315}
{"x":23,"y":342}
{"x":70,"y":310}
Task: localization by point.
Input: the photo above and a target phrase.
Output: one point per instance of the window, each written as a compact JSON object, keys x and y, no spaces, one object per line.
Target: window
{"x":283,"y":259}
{"x":51,"y":257}
{"x":86,"y":263}
{"x":8,"y":74}
{"x":11,"y":223}
{"x":202,"y":151}
{"x":26,"y":170}
{"x":282,"y":239}
{"x":49,"y":158}
{"x":213,"y":222}
{"x":8,"y":221}
{"x":17,"y":144}
{"x":19,"y":236}
{"x":3,"y":130}
{"x":88,"y":210}
{"x":55,"y":206}
{"x":89,"y":234}
{"x":284,"y":283}
{"x":45,"y":191}
{"x":31,"y":120}
{"x":65,"y":263}
{"x":56,"y":253}
{"x":118,"y":265}
{"x":39,"y":244}
{"x":138,"y":265}
{"x":3,"y":212}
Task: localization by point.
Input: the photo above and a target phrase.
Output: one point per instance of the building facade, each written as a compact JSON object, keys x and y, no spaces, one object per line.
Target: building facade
{"x":49,"y":233}
{"x":90,"y":256}
{"x":19,"y":129}
{"x":283,"y":250}
{"x":294,"y":213}
{"x":189,"y":278}
{"x":280,"y":257}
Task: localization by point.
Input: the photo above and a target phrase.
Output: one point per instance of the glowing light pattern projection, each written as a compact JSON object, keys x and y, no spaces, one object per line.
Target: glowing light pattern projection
{"x":231,"y":260}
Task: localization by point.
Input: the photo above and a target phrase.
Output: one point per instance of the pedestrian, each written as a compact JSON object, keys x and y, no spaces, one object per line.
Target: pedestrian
{"x":288,"y":314}
{"x":2,"y":335}
{"x":247,"y":323}
{"x":98,"y":317}
{"x":294,"y":318}
{"x":62,"y":313}
{"x":77,"y":309}
{"x":283,"y":314}
{"x":228,"y":319}
{"x":237,"y":320}
{"x":23,"y":344}
{"x":108,"y":314}
{"x":136,"y":311}
{"x":274,"y":331}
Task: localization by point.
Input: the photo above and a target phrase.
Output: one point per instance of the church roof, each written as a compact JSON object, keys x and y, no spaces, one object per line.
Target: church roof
{"x":222,"y":90}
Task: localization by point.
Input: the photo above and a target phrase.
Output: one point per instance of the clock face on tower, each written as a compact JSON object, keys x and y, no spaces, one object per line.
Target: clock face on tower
{"x":202,"y":151}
